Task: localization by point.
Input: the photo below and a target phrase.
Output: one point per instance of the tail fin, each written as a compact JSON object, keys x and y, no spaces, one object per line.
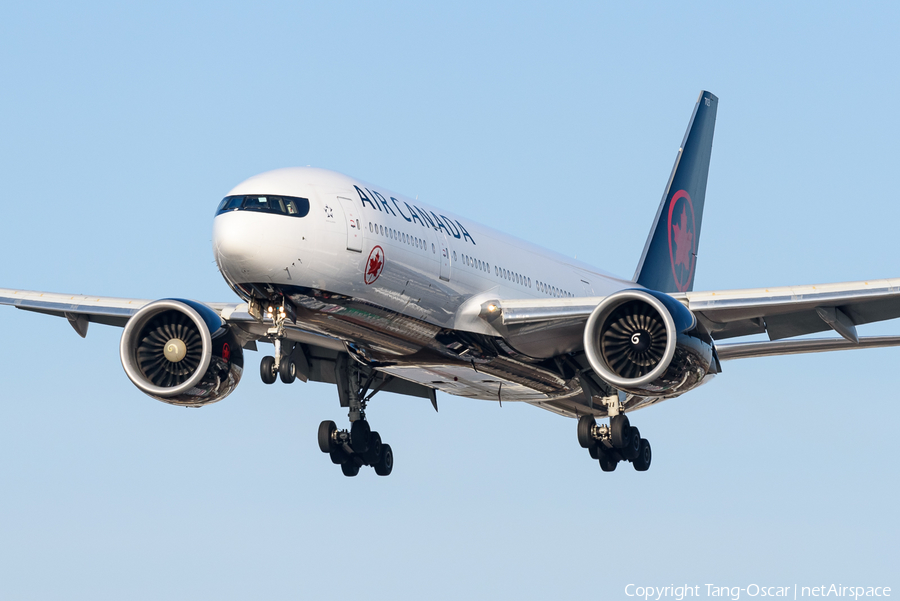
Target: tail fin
{"x":670,"y":255}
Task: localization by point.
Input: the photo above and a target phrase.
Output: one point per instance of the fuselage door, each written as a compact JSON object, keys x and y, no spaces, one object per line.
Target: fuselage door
{"x":445,"y":255}
{"x":353,"y":219}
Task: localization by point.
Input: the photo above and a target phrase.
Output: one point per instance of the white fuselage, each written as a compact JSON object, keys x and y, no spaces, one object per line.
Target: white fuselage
{"x":368,"y":243}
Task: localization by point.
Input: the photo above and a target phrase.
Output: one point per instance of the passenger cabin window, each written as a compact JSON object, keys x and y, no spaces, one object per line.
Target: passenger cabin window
{"x":280,"y":205}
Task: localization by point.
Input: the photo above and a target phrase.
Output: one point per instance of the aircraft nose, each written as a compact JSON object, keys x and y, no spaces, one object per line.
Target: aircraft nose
{"x":230,"y":238}
{"x":235,"y":246}
{"x":256,"y":248}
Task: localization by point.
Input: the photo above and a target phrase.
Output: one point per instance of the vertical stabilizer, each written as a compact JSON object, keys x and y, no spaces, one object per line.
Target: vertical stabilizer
{"x":670,"y":254}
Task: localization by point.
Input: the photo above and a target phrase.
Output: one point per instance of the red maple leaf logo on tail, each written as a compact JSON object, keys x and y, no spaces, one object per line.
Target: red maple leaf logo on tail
{"x":684,"y":241}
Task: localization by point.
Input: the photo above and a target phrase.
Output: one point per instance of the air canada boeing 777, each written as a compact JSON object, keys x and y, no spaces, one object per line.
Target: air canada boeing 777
{"x":373,"y":291}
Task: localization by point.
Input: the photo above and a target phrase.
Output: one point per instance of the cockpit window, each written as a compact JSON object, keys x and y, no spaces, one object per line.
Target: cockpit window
{"x":280,"y":205}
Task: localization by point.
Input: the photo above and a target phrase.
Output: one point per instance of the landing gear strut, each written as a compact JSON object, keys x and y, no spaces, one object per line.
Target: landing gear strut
{"x":619,"y":441}
{"x":359,"y":445}
{"x":281,"y":365}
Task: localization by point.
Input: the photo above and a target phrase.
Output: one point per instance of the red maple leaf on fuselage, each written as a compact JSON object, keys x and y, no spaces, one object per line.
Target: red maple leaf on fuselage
{"x":374,"y":269}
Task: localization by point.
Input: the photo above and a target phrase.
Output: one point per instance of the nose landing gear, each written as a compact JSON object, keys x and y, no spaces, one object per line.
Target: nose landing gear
{"x":281,"y":365}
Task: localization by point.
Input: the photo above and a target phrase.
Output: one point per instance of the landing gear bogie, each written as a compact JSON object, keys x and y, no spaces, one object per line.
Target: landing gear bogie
{"x":609,"y":445}
{"x":356,"y":447}
{"x":359,"y":445}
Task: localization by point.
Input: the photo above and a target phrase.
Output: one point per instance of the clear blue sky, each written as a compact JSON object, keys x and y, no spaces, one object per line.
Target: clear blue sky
{"x":122,"y":126}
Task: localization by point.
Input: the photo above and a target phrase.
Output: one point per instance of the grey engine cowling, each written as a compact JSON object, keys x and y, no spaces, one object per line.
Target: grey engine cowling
{"x":181,"y":352}
{"x":647,"y":343}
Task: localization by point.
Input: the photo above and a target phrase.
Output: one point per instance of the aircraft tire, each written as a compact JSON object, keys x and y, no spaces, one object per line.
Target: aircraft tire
{"x":359,"y":436}
{"x":326,"y":429}
{"x":385,"y":464}
{"x":642,"y":462}
{"x":287,"y":371}
{"x":338,"y":457}
{"x":585,"y":423}
{"x":595,"y":451}
{"x":267,"y":369}
{"x":373,"y":453}
{"x":619,"y":426}
{"x":350,"y":468}
{"x":607,"y":463}
{"x":632,"y":444}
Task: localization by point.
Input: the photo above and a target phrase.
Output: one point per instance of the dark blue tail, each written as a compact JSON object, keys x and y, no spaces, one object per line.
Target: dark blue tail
{"x":670,"y":255}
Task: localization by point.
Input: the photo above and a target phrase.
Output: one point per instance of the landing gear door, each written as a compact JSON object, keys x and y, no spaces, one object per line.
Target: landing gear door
{"x":445,"y":255}
{"x":353,"y":220}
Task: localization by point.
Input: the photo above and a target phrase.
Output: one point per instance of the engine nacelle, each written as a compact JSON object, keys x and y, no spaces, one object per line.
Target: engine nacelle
{"x":647,"y":343}
{"x":181,"y":352}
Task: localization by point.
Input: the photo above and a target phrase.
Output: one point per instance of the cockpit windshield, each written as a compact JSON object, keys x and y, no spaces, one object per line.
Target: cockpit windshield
{"x":280,"y":205}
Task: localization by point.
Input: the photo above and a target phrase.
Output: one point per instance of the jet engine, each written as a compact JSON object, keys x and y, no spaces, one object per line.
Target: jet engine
{"x":182,"y":353}
{"x":647,"y":343}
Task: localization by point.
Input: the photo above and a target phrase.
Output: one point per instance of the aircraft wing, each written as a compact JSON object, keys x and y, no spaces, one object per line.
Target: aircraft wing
{"x":790,"y":311}
{"x":81,"y":310}
{"x":781,"y":312}
{"x":316,"y":352}
{"x":77,"y":308}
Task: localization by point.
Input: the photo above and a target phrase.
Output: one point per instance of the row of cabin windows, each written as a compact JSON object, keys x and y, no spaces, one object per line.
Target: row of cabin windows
{"x":512,"y":276}
{"x":470,"y":261}
{"x":506,"y":274}
{"x":474,"y":263}
{"x":553,"y":290}
{"x":400,"y":237}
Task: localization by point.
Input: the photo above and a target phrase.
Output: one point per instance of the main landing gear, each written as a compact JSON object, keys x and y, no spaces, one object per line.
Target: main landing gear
{"x":619,"y":441}
{"x":352,"y":448}
{"x":360,"y":445}
{"x":356,"y":447}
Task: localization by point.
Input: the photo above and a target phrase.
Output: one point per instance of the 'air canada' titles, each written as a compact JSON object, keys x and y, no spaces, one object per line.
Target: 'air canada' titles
{"x":414,"y":214}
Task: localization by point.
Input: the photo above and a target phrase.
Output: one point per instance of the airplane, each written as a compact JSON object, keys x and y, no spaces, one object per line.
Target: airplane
{"x":372,"y":291}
